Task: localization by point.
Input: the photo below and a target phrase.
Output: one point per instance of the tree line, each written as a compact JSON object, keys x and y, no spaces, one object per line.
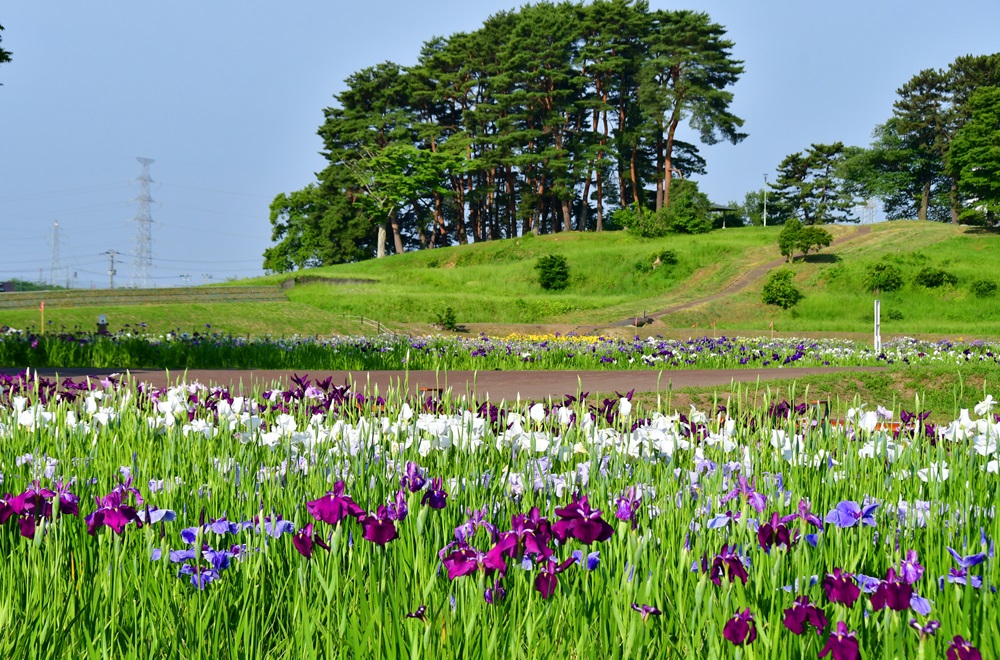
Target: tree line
{"x":545,"y":119}
{"x":934,"y":158}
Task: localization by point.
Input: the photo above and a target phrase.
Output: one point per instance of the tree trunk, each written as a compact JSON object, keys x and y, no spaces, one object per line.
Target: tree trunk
{"x":635,"y":181}
{"x":954,"y":201}
{"x":660,"y":161}
{"x":925,"y":196}
{"x":382,"y":233}
{"x":600,"y":200}
{"x":567,"y":210}
{"x":668,"y":162}
{"x":397,"y":238}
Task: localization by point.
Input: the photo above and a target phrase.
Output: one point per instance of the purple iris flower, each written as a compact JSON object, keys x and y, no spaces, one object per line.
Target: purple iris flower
{"x":334,"y":506}
{"x":849,"y":514}
{"x":723,"y":519}
{"x":304,"y":540}
{"x":749,"y":491}
{"x":419,"y":613}
{"x":465,"y":560}
{"x":961,"y":575}
{"x":200,"y":577}
{"x":581,"y":522}
{"x":627,"y":505}
{"x":805,"y":514}
{"x":740,"y":629}
{"x":927,"y":630}
{"x":920,"y":605}
{"x":968,"y":561}
{"x":841,"y":644}
{"x":495,"y":594}
{"x":529,"y":534}
{"x":728,"y":563}
{"x":113,"y":513}
{"x":910,"y":569}
{"x":436,"y":497}
{"x":593,"y":559}
{"x":379,"y":528}
{"x":892,"y":592}
{"x":646,"y":610}
{"x":476,"y":520}
{"x":960,"y":649}
{"x":801,"y":613}
{"x":776,"y":533}
{"x":413,"y":480}
{"x":548,"y":578}
{"x":276,"y":526}
{"x":840,"y":587}
{"x":398,"y":509}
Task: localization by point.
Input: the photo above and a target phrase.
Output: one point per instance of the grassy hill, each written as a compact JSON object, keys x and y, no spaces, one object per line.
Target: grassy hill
{"x":494,"y":286}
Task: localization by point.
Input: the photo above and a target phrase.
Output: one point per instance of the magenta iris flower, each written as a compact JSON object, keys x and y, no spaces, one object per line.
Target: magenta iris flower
{"x":112,"y":512}
{"x":436,"y":497}
{"x":465,"y":560}
{"x":581,"y":522}
{"x":305,"y":538}
{"x":728,"y":563}
{"x":748,"y":490}
{"x":803,"y":613}
{"x":960,"y":649}
{"x":529,"y":534}
{"x":849,"y":513}
{"x":840,"y":587}
{"x":646,"y":610}
{"x":740,"y":629}
{"x":548,"y":578}
{"x":334,"y":506}
{"x":892,"y":592}
{"x":841,"y":644}
{"x":495,"y":594}
{"x":379,"y":529}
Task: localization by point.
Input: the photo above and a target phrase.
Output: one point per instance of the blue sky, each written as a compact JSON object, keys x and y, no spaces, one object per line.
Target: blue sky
{"x":226,"y":96}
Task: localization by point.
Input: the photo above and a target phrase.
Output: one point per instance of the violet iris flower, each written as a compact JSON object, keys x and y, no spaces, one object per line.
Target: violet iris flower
{"x":593,"y":559}
{"x":419,"y":613}
{"x":304,"y":540}
{"x":529,"y":534}
{"x":548,"y":578}
{"x":842,"y":644}
{"x":893,"y":593}
{"x":627,"y":505}
{"x":849,"y":514}
{"x":436,"y":497}
{"x":805,"y":514}
{"x":801,"y":613}
{"x":646,"y":610}
{"x":910,"y":569}
{"x":581,"y":522}
{"x":740,"y":629}
{"x":413,"y":480}
{"x":959,"y":649}
{"x":379,"y":528}
{"x":749,"y":491}
{"x":961,"y":575}
{"x":928,"y":630}
{"x":723,"y":519}
{"x":495,"y":594}
{"x":334,"y":506}
{"x":840,"y":587}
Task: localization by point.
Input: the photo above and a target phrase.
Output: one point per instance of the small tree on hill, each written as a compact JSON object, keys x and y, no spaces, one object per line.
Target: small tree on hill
{"x":780,"y":290}
{"x":788,"y":239}
{"x":813,"y":238}
{"x":553,"y":272}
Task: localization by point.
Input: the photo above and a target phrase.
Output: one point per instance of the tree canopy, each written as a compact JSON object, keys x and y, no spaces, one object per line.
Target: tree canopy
{"x":4,"y":54}
{"x":974,"y":158}
{"x":542,"y":120}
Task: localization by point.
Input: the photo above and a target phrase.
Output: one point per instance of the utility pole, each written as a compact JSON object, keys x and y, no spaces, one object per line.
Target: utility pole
{"x":765,"y":199}
{"x":54,"y":265}
{"x":111,"y":270}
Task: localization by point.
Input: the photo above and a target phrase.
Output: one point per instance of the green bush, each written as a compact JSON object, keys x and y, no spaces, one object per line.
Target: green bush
{"x":688,"y":211}
{"x":640,"y":222}
{"x":643,"y":267}
{"x":932,"y":278}
{"x":788,"y":239}
{"x":983,"y":288}
{"x":553,"y":272}
{"x":883,"y":277}
{"x":780,"y":290}
{"x":666,"y":258}
{"x":447,"y":319}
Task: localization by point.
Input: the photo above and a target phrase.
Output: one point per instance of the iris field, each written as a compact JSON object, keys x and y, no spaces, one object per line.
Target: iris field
{"x":178,"y":351}
{"x":320,"y":522}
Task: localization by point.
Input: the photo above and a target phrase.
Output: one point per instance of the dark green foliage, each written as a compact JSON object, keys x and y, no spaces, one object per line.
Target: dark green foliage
{"x":666,"y":258}
{"x":780,"y":290}
{"x":688,"y":211}
{"x":974,"y":158}
{"x":983,"y":288}
{"x":813,"y":238}
{"x":811,"y":187}
{"x":4,"y":54}
{"x":553,"y":272}
{"x":641,"y":222}
{"x":447,"y":319}
{"x":932,"y":278}
{"x":661,"y":261}
{"x":883,"y":277}
{"x":788,"y":238}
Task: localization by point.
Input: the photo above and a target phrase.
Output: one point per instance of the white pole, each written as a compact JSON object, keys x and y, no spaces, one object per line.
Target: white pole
{"x":878,"y":326}
{"x":765,"y":200}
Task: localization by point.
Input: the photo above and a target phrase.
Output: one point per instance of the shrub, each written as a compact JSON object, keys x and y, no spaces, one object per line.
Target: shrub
{"x":813,"y":238}
{"x":643,"y":267}
{"x":638,"y":221}
{"x":447,"y":319}
{"x":666,"y":258}
{"x":788,"y":239}
{"x":688,"y":211}
{"x":780,"y":290}
{"x":983,"y":288}
{"x":883,"y":277}
{"x":553,"y":272}
{"x":934,"y":277}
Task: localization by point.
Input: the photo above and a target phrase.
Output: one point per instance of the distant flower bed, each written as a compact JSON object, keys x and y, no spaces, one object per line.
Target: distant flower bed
{"x":388,"y":352}
{"x":187,"y":520}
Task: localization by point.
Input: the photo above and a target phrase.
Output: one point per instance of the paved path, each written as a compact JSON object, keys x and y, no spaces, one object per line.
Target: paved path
{"x":742,"y":281}
{"x":493,"y":384}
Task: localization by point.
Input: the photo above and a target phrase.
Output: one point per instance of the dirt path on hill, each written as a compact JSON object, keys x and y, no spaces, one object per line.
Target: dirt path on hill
{"x":495,"y":385}
{"x":741,"y":281}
